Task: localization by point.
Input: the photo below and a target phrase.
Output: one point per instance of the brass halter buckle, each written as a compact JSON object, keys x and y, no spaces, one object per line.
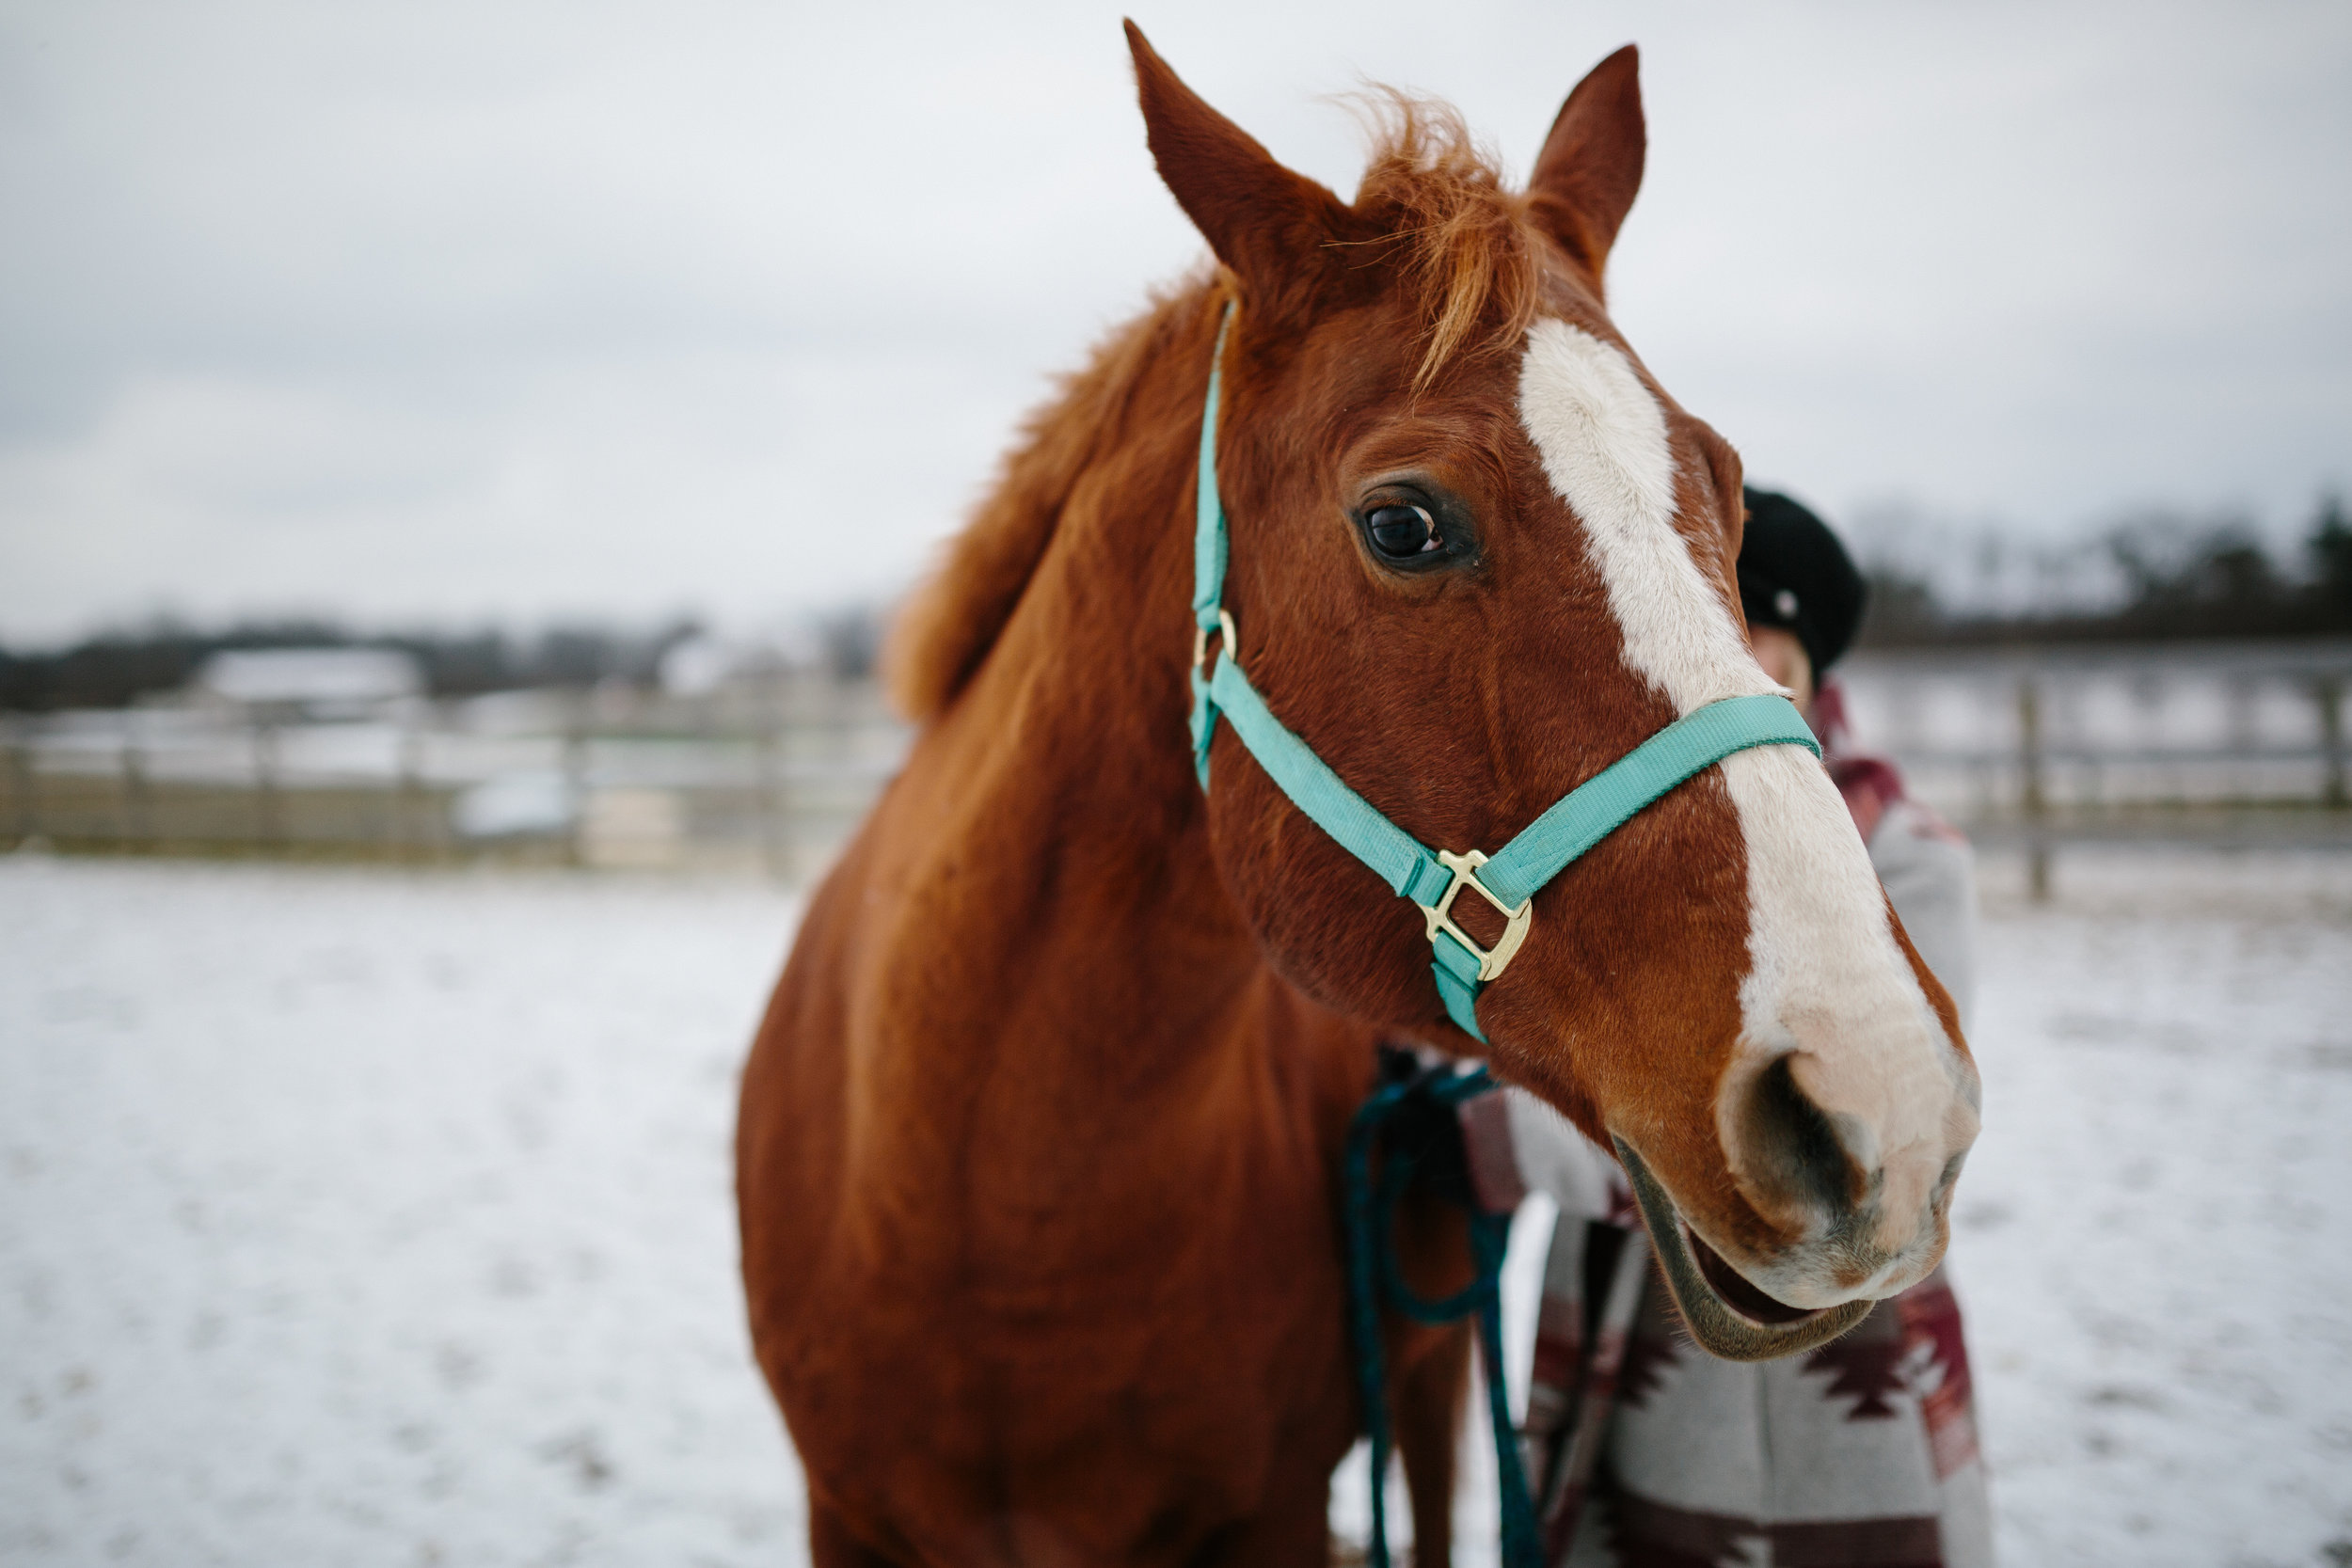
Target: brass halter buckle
{"x":1439,"y":916}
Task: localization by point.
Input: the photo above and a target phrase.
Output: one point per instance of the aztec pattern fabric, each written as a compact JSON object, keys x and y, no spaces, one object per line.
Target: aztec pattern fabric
{"x":1702,"y":1462}
{"x":1643,"y":1452}
{"x":1860,"y":1454}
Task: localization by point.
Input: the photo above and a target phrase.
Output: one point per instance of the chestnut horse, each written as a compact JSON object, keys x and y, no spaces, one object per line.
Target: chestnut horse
{"x":1039,"y":1139}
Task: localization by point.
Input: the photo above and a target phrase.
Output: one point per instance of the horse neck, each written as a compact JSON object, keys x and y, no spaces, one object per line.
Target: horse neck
{"x":1075,"y":884}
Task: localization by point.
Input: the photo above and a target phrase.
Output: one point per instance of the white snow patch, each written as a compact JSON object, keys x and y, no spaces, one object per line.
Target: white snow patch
{"x":367,"y":1218}
{"x":370,"y":1218}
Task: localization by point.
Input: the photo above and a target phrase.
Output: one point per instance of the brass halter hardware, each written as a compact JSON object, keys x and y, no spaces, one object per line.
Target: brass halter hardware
{"x":1493,"y":960}
{"x":1225,"y":630}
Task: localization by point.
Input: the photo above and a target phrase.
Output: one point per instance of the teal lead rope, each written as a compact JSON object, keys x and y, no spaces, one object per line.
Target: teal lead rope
{"x":1372,"y":1276}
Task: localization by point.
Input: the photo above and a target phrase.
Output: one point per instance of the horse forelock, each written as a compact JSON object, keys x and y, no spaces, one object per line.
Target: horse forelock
{"x":1458,"y":234}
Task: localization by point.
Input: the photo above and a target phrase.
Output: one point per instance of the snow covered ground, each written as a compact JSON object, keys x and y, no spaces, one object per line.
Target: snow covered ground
{"x":372,"y":1218}
{"x":360,"y":1218}
{"x":2154,"y":1236}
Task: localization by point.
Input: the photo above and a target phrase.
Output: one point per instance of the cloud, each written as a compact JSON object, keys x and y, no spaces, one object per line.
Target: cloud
{"x":434,"y":313}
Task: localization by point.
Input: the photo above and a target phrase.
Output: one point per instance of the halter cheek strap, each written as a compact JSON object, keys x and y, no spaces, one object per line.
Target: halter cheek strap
{"x":1434,"y":879}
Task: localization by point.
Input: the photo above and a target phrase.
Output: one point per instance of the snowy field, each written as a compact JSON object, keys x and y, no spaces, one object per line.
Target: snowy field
{"x":368,"y":1218}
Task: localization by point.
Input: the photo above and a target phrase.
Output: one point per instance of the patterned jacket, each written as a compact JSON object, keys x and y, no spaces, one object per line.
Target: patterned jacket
{"x":1646,"y":1452}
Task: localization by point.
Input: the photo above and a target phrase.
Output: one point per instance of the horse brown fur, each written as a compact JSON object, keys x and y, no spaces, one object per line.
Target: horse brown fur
{"x":1591,"y":163}
{"x":1039,"y":1137}
{"x":1100,"y":1191}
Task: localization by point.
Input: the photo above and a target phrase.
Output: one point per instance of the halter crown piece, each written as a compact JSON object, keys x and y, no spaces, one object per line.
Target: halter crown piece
{"x":1433,"y":879}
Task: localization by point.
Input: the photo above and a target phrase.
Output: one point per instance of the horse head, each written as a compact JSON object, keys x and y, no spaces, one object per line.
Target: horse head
{"x":1477,"y":555}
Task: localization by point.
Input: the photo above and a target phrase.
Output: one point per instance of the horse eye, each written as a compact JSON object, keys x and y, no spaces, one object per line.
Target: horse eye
{"x":1403,"y":532}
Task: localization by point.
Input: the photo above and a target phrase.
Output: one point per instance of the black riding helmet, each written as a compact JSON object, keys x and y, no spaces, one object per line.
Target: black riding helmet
{"x":1793,"y":572}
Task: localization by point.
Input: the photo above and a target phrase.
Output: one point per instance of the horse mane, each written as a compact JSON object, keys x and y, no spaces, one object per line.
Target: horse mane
{"x":938,"y":640}
{"x":1444,"y":219}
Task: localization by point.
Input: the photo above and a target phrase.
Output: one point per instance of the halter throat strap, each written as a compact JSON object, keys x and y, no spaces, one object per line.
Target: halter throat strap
{"x":1435,"y":880}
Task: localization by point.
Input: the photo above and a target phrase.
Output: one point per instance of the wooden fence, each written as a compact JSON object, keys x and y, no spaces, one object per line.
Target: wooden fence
{"x":768,"y":775}
{"x":2034,"y":748}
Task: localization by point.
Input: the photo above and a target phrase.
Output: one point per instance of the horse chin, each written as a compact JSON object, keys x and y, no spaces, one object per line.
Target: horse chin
{"x":1730,"y":1317}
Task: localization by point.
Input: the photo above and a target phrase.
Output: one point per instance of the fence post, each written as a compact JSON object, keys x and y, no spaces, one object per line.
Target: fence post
{"x":22,"y":782}
{"x":576,"y":779}
{"x":2033,"y":803}
{"x":268,"y":810}
{"x":2327,"y":691}
{"x":137,"y":825}
{"x":772,"y":847}
{"x":410,"y":836}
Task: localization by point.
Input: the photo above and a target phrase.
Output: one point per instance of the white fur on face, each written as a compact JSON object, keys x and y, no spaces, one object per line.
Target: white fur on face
{"x":1603,"y":439}
{"x":1827,"y":980}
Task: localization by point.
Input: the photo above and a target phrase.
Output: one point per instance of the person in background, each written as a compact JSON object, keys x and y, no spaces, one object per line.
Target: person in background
{"x":1640,"y":1448}
{"x":1804,"y":601}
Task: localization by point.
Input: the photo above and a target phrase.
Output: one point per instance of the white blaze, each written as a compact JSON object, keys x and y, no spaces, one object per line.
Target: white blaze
{"x":1826,"y":979}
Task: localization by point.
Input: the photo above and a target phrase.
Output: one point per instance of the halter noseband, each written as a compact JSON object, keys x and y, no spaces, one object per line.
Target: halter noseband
{"x":1433,"y":879}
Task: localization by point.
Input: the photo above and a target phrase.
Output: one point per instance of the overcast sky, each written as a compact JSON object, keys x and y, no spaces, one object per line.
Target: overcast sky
{"x":439,"y":313}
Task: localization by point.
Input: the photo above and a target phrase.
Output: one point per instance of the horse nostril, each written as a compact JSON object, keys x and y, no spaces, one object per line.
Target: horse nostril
{"x":1790,"y":1144}
{"x":1944,"y":1182}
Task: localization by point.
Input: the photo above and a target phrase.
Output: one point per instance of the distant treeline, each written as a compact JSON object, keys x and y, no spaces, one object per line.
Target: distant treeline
{"x":119,"y":668}
{"x":2219,"y":581}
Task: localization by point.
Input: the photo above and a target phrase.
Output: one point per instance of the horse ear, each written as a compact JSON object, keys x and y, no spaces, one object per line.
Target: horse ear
{"x":1591,"y":163}
{"x":1271,"y":227}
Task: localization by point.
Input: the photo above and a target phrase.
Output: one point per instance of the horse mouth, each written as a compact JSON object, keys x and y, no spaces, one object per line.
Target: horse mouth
{"x":1733,"y":1287}
{"x":1728,"y":1316}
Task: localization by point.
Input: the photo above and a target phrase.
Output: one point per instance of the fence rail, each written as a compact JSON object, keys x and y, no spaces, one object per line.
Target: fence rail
{"x":769,"y":775}
{"x":2185,"y":740}
{"x":2227,"y":741}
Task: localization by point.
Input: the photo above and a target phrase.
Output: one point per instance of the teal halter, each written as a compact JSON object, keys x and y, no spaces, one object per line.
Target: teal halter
{"x":1509,"y":878}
